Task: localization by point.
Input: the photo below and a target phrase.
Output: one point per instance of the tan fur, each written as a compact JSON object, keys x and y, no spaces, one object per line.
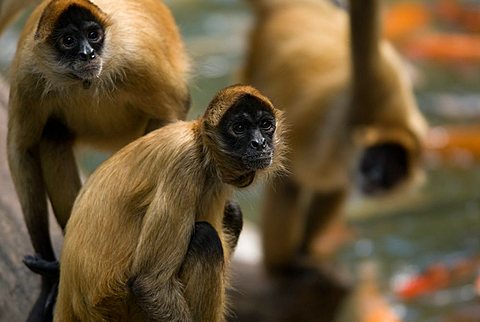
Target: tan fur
{"x":54,"y":8}
{"x":142,"y":84}
{"x":135,"y":215}
{"x":300,"y":57}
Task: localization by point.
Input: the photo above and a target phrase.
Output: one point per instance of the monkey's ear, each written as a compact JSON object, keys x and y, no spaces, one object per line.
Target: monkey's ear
{"x":56,"y":8}
{"x":232,"y":96}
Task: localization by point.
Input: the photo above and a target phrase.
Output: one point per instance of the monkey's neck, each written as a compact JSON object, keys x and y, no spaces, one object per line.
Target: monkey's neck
{"x":211,"y":201}
{"x":243,"y":180}
{"x":86,"y":84}
{"x":230,"y":171}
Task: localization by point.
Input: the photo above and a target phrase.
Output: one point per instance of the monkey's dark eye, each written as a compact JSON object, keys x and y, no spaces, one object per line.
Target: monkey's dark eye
{"x":93,"y":35}
{"x":238,"y":128}
{"x":266,"y":124}
{"x":68,"y":42}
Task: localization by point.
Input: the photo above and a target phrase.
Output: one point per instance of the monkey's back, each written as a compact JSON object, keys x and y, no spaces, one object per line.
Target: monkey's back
{"x":144,"y":75}
{"x":300,"y":57}
{"x":103,"y":231}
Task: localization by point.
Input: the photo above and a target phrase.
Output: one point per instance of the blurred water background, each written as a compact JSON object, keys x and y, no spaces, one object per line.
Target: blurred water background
{"x":438,"y":224}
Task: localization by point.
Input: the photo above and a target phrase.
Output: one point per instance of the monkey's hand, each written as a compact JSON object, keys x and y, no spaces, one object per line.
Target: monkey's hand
{"x":232,"y":223}
{"x":42,"y":267}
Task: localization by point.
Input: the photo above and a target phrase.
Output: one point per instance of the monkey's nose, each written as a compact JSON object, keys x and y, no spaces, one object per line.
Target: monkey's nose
{"x":258,"y":143}
{"x":87,"y":55}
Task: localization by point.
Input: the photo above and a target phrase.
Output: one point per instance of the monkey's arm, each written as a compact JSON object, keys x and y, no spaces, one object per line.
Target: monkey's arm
{"x":24,"y":133}
{"x":24,"y":161}
{"x":232,"y":224}
{"x":202,"y":274}
{"x":161,"y":249}
{"x":291,"y":223}
{"x":59,"y":169}
{"x":204,"y":265}
{"x":283,"y":223}
{"x":323,"y":207}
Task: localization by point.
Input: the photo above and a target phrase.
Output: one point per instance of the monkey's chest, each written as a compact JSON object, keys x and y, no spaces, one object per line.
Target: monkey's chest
{"x":214,"y":218}
{"x":104,"y":124}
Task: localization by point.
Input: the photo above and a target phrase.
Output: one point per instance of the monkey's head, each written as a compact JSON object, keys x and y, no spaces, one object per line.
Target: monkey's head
{"x":242,"y":132}
{"x":388,"y":163}
{"x":73,"y":33}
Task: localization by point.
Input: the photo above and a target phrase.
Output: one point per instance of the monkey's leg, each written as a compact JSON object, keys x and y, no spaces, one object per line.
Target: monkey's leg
{"x":160,"y":303}
{"x":202,"y":273}
{"x":322,"y":209}
{"x":162,"y":246}
{"x":283,"y":224}
{"x":62,"y":183}
{"x":59,"y":170}
{"x":232,"y":224}
{"x":24,"y":162}
{"x":27,"y":175}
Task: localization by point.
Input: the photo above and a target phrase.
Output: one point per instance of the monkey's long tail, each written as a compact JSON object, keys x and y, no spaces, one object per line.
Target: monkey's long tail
{"x":365,"y":31}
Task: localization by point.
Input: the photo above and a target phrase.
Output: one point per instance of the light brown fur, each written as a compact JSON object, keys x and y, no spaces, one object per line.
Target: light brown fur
{"x":133,"y":220}
{"x":300,"y":57}
{"x":142,"y":84}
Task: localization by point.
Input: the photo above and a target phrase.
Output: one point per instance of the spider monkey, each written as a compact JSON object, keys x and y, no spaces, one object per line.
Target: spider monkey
{"x":100,"y":73}
{"x":354,"y":120}
{"x":148,"y":239}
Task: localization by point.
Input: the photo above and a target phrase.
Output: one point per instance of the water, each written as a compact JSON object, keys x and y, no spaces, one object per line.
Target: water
{"x":437,"y":223}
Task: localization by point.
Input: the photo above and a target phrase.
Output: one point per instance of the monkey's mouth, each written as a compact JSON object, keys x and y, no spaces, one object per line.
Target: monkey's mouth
{"x":86,"y":71}
{"x":257,"y":162}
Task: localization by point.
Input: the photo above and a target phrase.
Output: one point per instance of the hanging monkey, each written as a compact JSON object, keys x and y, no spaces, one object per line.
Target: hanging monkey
{"x":354,"y":120}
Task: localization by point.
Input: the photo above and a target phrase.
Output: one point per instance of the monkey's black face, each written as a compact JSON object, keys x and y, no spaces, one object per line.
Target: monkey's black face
{"x":247,"y":131}
{"x":382,"y":167}
{"x":78,"y":39}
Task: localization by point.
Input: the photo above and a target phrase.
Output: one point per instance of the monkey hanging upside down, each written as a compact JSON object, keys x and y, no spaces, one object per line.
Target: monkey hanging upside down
{"x":353,"y":116}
